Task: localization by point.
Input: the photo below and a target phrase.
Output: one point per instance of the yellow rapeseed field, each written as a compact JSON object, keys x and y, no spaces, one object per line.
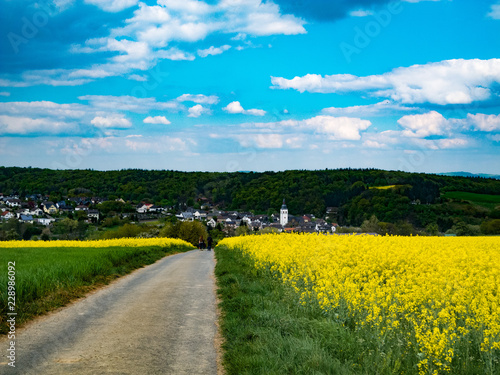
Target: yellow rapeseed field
{"x":435,"y":295}
{"x":118,"y":242}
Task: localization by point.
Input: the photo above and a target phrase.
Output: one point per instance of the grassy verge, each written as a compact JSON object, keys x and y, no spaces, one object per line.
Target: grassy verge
{"x":50,"y":277}
{"x":267,"y":331}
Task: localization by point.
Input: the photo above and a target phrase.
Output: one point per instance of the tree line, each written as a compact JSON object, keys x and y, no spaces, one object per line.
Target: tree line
{"x":415,"y":198}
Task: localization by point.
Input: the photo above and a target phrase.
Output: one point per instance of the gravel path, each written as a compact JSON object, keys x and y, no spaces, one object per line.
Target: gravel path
{"x":158,"y":320}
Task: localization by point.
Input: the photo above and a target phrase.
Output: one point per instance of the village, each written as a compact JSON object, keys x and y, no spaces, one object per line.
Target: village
{"x":38,"y":210}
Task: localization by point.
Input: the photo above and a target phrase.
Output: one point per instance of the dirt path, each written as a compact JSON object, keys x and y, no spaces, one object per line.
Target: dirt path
{"x":158,"y":320}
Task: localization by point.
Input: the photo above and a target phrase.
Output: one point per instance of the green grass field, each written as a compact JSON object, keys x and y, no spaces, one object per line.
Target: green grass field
{"x":483,"y":200}
{"x":48,"y":278}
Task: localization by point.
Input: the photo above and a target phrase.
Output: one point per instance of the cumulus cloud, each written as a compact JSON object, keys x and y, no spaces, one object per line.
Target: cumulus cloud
{"x":337,"y":128}
{"x":212,"y":51}
{"x":154,"y":32}
{"x":198,"y":110}
{"x":156,"y":120}
{"x":446,"y":82}
{"x":486,"y":123}
{"x":424,"y":125}
{"x":235,"y":107}
{"x":435,"y":124}
{"x":116,"y":121}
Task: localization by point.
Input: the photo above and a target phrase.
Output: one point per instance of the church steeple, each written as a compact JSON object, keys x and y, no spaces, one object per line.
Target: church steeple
{"x":283,"y":214}
{"x":284,"y":205}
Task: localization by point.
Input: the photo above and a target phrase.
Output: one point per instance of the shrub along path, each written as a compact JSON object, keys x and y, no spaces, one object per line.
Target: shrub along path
{"x":158,"y":320}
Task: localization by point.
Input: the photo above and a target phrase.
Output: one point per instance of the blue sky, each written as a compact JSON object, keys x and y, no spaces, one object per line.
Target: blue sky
{"x":227,"y":85}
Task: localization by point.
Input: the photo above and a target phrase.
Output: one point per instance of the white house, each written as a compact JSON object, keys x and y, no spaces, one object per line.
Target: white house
{"x":6,"y":215}
{"x":13,"y":202}
{"x":200,"y":215}
{"x":44,"y":220}
{"x":144,"y":207}
{"x":26,"y":219}
{"x":36,"y":212}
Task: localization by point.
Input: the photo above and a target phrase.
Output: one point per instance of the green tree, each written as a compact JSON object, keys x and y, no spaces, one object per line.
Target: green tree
{"x":432,"y":229}
{"x":371,"y":226}
{"x":491,"y":227}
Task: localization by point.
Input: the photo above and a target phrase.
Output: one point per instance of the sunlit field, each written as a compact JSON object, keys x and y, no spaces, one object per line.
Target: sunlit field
{"x":431,"y":304}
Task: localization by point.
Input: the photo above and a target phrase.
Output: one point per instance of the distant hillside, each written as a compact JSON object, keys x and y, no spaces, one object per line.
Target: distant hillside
{"x":416,"y":198}
{"x":468,"y":174}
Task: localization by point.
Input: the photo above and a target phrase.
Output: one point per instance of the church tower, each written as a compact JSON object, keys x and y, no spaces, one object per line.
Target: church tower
{"x":283,"y":214}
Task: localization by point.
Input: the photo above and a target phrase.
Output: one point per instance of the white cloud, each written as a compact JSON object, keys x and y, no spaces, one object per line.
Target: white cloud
{"x":213,"y":50}
{"x":495,"y":137}
{"x":153,"y":33}
{"x":486,"y":123}
{"x":159,"y":145}
{"x":337,"y":128}
{"x":198,"y":110}
{"x":453,"y":143}
{"x":258,"y":18}
{"x":112,"y":5}
{"x":156,"y":120}
{"x":44,"y":109}
{"x":115,"y":121}
{"x":4,"y":93}
{"x":187,"y":6}
{"x":384,"y":108}
{"x":129,"y":103}
{"x":495,"y":12}
{"x":199,"y":98}
{"x":235,"y":107}
{"x":137,"y":77}
{"x":424,"y":125}
{"x":361,"y":13}
{"x":22,"y":125}
{"x":267,"y":140}
{"x":373,"y":144}
{"x":175,"y":54}
{"x":446,"y":82}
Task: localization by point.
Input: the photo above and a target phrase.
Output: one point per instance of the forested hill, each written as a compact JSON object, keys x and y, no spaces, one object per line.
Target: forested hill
{"x":357,"y":192}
